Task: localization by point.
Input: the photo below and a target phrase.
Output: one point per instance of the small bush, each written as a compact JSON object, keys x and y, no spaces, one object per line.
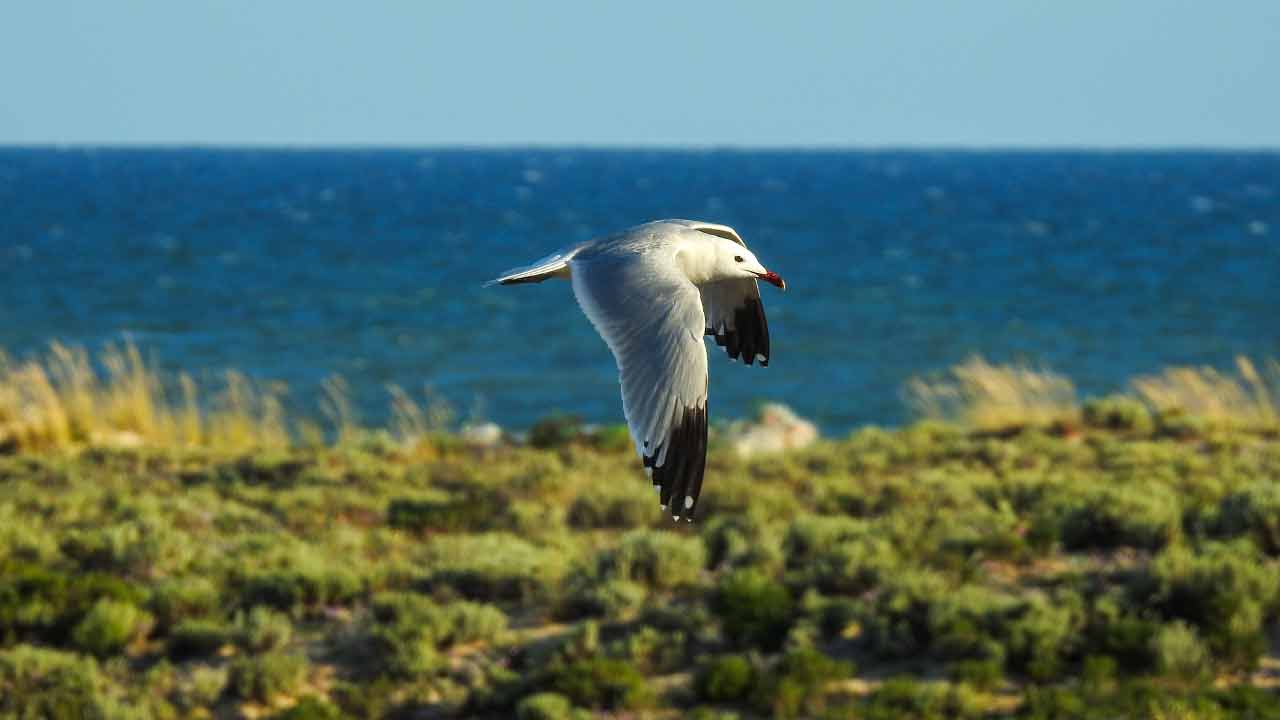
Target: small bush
{"x":658,"y":559}
{"x":728,"y":678}
{"x":1118,"y":412}
{"x":589,"y":597}
{"x":297,"y":588}
{"x":444,"y":625}
{"x":796,"y":685}
{"x":838,"y":554}
{"x":493,"y":566}
{"x":603,"y":683}
{"x":198,"y":638}
{"x":263,"y":677}
{"x":176,"y":599}
{"x":626,"y":505}
{"x":109,"y":627}
{"x":1041,"y":637}
{"x":403,"y":650}
{"x":1253,"y":512}
{"x":202,"y":687}
{"x":1147,"y":517}
{"x":544,"y":706}
{"x":262,"y":629}
{"x":1179,"y":653}
{"x":555,"y":431}
{"x":40,"y":683}
{"x":742,"y":540}
{"x":474,"y":511}
{"x":754,"y":610}
{"x":1115,"y":630}
{"x":982,"y":674}
{"x":1225,"y":592}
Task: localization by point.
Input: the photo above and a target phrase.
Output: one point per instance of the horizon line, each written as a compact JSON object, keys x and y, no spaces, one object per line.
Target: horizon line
{"x":642,"y":147}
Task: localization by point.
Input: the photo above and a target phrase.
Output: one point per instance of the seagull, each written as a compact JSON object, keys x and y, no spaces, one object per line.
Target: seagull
{"x":652,"y":292}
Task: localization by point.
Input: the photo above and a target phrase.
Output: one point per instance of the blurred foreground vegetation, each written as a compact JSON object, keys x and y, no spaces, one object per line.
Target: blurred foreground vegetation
{"x":1040,"y":558}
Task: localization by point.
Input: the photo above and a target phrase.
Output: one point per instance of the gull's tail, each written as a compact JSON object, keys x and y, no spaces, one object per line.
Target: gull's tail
{"x":555,"y":265}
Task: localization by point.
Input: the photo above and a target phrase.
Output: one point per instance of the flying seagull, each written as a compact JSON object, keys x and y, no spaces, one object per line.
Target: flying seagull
{"x":652,"y":292}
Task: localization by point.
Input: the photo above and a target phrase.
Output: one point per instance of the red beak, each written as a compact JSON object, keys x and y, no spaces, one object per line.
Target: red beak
{"x":774,"y":279}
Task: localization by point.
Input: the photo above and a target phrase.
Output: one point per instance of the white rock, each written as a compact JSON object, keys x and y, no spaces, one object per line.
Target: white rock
{"x":486,"y":434}
{"x":775,"y":429}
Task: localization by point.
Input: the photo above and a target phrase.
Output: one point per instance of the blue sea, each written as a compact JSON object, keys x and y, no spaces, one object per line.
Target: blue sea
{"x":295,"y":265}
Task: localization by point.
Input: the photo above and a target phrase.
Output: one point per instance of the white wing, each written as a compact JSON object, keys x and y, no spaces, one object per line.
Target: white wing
{"x":651,"y":317}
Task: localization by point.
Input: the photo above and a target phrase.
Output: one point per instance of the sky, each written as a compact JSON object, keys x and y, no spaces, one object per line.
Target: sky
{"x":1011,"y":73}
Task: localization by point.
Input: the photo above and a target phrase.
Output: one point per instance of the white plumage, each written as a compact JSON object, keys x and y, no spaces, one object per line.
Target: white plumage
{"x":652,"y":292}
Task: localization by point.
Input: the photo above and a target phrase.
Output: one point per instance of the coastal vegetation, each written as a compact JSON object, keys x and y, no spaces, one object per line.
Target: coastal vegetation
{"x":173,"y":551}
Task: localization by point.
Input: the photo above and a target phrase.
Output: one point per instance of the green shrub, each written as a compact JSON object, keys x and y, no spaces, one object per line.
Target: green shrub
{"x":182,"y":598}
{"x":1226,"y":592}
{"x":474,"y":511}
{"x":903,"y":697}
{"x":742,"y":540}
{"x":1253,"y":512}
{"x":473,"y":622}
{"x":603,"y":683}
{"x":796,"y":685}
{"x":754,"y":610}
{"x":838,"y":554}
{"x":198,"y":638}
{"x":202,"y":687}
{"x":38,"y":603}
{"x":300,"y":587}
{"x":544,"y":706}
{"x":262,"y":629}
{"x":1118,"y":412}
{"x":493,"y":566}
{"x":1042,"y":636}
{"x":403,"y":650}
{"x":652,"y":650}
{"x":109,"y":627}
{"x":898,"y":621}
{"x":262,"y":677}
{"x":658,"y":559}
{"x":1147,"y":517}
{"x":555,"y":431}
{"x":728,"y":678}
{"x":623,"y":505}
{"x":984,"y":674}
{"x":1179,"y":653}
{"x":590,"y":597}
{"x":1116,"y":630}
{"x":41,"y":683}
{"x":444,"y":625}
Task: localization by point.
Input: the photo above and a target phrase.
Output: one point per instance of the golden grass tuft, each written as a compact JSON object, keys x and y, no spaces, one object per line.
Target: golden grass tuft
{"x":983,"y":396}
{"x":1246,"y":398}
{"x":60,"y":401}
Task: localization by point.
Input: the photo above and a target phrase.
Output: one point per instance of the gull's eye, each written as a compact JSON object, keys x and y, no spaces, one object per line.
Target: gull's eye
{"x":737,"y":258}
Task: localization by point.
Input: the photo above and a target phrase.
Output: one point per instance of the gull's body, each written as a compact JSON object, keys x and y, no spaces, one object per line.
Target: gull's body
{"x":652,"y":292}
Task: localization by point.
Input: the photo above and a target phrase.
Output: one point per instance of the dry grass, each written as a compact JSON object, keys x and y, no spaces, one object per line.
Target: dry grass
{"x":1246,"y":398}
{"x":980,"y":395}
{"x":62,"y":401}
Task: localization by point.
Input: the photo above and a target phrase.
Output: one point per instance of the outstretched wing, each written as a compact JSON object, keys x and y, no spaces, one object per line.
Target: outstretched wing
{"x":735,"y":317}
{"x":651,"y":317}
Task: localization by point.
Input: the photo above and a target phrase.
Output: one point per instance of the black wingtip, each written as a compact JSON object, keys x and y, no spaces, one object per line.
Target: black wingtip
{"x":749,"y":339}
{"x":679,"y":477}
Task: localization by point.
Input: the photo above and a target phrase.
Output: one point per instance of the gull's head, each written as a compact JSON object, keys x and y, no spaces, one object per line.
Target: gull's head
{"x":735,"y":261}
